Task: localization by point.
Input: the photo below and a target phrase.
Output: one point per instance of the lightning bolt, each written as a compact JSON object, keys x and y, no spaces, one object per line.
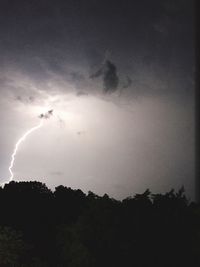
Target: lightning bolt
{"x":17,"y":145}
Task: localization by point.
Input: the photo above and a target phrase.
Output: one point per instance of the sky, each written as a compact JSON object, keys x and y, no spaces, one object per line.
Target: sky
{"x":119,"y":76}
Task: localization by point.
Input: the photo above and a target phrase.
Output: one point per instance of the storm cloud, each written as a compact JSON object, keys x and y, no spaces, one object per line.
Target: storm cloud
{"x":109,"y":74}
{"x":135,"y":103}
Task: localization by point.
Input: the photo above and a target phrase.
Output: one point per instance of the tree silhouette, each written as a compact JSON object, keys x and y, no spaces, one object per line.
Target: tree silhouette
{"x":12,"y":247}
{"x":70,"y":228}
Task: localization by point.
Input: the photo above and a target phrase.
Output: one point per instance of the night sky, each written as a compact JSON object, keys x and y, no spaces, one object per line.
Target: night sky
{"x":119,"y":76}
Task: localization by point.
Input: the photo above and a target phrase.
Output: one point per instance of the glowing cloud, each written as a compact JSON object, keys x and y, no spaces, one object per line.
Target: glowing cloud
{"x":41,"y":116}
{"x":17,"y":147}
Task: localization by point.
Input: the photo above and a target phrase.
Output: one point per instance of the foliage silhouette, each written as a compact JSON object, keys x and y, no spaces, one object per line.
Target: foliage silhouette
{"x":12,"y":247}
{"x":67,"y":227}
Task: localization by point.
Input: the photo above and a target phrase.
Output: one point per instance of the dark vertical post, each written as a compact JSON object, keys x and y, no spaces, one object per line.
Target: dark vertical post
{"x":197,"y":100}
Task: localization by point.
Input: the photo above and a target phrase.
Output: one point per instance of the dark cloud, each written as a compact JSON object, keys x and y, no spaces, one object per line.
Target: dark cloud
{"x":81,"y":93}
{"x":25,"y":100}
{"x":97,"y":74}
{"x":110,"y":78}
{"x":76,"y":76}
{"x":57,"y":42}
{"x":127,"y":83}
{"x":48,"y":49}
{"x":46,"y":115}
{"x":94,"y":57}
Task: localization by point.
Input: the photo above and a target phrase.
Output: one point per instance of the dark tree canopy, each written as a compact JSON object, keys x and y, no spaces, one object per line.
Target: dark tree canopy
{"x":66,"y":227}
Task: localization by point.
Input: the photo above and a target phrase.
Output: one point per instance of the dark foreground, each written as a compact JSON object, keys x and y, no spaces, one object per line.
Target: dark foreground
{"x":41,"y":228}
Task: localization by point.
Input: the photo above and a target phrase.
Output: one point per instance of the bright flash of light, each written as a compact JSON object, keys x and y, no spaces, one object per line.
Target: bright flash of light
{"x":17,"y":147}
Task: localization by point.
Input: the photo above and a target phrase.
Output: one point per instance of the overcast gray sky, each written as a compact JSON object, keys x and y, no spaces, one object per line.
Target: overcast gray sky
{"x":119,"y":76}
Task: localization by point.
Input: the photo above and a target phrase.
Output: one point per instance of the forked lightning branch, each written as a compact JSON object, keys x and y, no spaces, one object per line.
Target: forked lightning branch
{"x":23,"y":138}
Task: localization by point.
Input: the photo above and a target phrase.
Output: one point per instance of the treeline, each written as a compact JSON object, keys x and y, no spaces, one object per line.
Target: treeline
{"x":67,"y":228}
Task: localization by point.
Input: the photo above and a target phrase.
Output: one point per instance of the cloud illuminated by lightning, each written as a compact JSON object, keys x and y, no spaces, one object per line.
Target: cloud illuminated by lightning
{"x":17,"y":147}
{"x":42,"y":116}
